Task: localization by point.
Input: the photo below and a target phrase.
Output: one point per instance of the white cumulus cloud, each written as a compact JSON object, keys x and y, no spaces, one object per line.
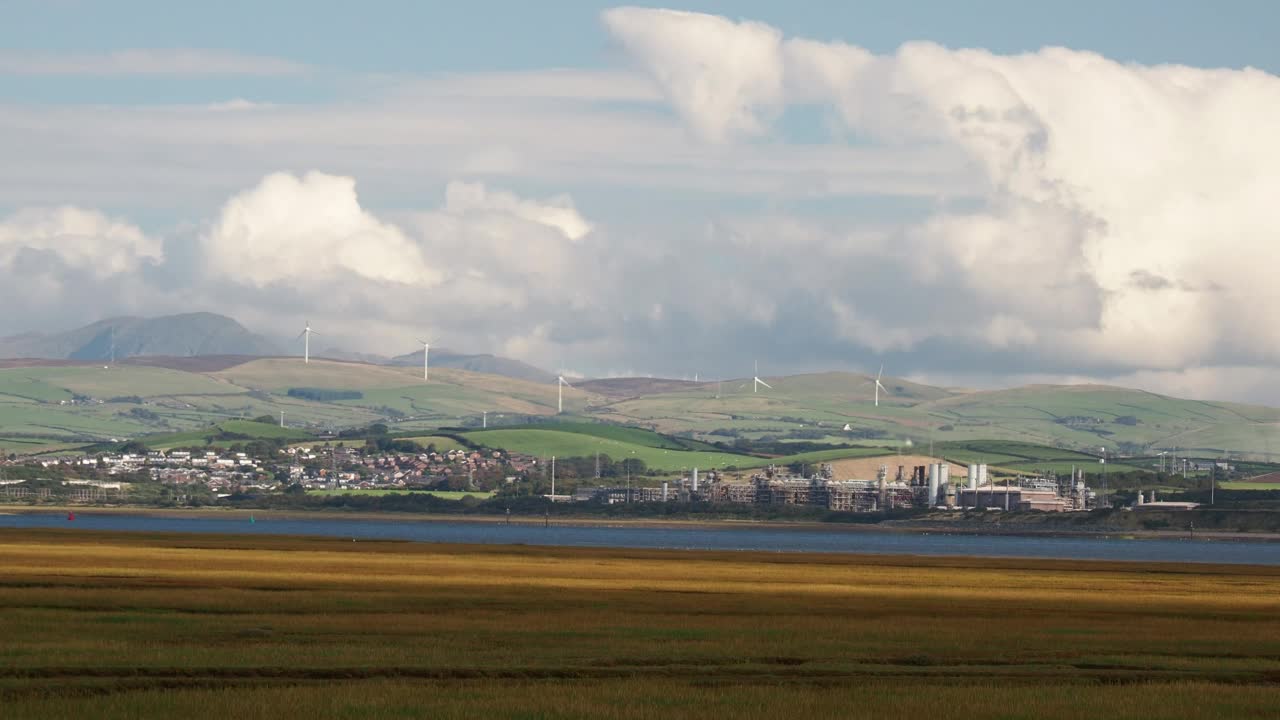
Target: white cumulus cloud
{"x":718,"y":73}
{"x":1096,"y":172}
{"x":462,"y":198}
{"x":289,"y":228}
{"x":1052,"y":214}
{"x":472,"y":272}
{"x":87,"y":240}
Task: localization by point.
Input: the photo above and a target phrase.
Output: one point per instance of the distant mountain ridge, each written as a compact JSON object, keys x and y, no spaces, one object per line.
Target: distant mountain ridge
{"x":172,"y":339}
{"x":184,"y":335}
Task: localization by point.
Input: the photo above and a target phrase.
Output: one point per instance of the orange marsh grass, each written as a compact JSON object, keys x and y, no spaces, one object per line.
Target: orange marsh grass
{"x":667,"y":700}
{"x":476,"y":631}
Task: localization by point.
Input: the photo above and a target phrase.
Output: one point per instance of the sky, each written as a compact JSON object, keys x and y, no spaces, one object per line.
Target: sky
{"x":977,"y":194}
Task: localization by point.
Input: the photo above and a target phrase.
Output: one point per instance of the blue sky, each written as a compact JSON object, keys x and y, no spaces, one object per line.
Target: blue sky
{"x":416,"y":36}
{"x":555,"y":181}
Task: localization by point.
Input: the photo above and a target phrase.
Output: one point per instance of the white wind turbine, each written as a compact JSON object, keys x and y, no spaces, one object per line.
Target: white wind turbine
{"x":756,"y":382}
{"x":426,"y":354}
{"x":880,"y":386}
{"x":305,"y":337}
{"x":561,"y":384}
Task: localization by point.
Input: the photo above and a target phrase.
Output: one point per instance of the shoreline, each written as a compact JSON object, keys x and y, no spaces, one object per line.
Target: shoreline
{"x":905,"y":527}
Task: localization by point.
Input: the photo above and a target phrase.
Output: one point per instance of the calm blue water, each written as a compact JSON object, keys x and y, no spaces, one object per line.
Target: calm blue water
{"x":703,"y":538}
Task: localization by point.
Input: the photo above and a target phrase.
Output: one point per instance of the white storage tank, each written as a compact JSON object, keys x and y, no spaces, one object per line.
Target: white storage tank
{"x":935,"y":478}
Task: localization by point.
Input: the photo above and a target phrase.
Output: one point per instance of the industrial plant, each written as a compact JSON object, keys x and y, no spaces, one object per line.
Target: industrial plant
{"x":921,"y":486}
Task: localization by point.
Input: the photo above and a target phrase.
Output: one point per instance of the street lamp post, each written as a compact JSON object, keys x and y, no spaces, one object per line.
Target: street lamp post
{"x":1104,"y":470}
{"x":629,"y":464}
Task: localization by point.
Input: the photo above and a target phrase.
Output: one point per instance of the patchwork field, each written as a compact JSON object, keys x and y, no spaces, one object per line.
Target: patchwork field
{"x":68,"y":403}
{"x":1081,"y":417}
{"x":128,"y":626}
{"x":548,"y":443}
{"x":658,"y":452}
{"x":1247,"y":485}
{"x":246,"y":428}
{"x":440,"y":442}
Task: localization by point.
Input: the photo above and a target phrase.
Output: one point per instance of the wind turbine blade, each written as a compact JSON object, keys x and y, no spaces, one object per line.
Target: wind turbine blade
{"x":764,"y":383}
{"x":300,"y":335}
{"x":879,"y":374}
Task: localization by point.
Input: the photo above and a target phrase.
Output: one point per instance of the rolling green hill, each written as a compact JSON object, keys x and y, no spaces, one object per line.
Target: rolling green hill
{"x":1083,"y":418}
{"x":622,"y":433}
{"x":562,"y":443}
{"x":66,"y":404}
{"x":247,"y":429}
{"x":58,"y":404}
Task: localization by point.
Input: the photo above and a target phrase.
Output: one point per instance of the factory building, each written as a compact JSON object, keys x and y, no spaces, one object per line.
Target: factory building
{"x":928,"y":486}
{"x":868,"y":495}
{"x":1005,"y":497}
{"x":1027,"y":494}
{"x":1154,"y":504}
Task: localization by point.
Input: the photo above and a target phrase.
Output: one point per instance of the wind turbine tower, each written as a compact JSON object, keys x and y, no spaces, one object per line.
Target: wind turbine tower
{"x":426,"y":359}
{"x":305,"y":337}
{"x":561,"y":384}
{"x":879,"y":386}
{"x":756,"y":382}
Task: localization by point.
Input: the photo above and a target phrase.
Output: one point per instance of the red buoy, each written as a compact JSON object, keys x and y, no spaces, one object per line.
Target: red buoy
{"x":71,"y":516}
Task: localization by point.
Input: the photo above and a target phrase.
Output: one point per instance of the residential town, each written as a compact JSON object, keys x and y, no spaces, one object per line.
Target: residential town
{"x":318,"y":467}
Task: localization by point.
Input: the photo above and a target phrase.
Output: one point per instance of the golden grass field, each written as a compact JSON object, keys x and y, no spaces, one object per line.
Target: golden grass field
{"x":99,"y":625}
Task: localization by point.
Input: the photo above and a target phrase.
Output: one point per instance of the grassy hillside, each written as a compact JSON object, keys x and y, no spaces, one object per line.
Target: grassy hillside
{"x":625,"y":443}
{"x":1090,"y":416}
{"x":280,"y":374}
{"x":1082,"y":418}
{"x":440,"y":442}
{"x":137,"y":400}
{"x":129,"y":401}
{"x":825,"y":401}
{"x":450,"y":396}
{"x":621,"y":433}
{"x":228,"y":429}
{"x":547,"y":443}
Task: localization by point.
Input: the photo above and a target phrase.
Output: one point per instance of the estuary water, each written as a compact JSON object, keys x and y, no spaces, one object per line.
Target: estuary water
{"x":727,"y":537}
